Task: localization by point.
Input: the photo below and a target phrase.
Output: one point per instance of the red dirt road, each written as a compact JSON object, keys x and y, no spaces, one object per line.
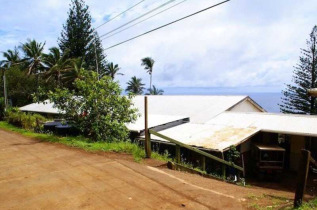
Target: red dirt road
{"x":37,"y":175}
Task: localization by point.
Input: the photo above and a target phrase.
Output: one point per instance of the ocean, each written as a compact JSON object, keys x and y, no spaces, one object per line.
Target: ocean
{"x":268,"y":100}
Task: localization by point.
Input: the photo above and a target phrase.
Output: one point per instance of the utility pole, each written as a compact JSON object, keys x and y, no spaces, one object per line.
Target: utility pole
{"x":5,"y":91}
{"x":97,"y":67}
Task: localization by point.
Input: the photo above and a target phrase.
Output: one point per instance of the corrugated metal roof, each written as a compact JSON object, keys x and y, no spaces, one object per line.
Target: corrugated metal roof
{"x":153,"y":121}
{"x":214,"y":137}
{"x":46,"y":107}
{"x":304,"y":125}
{"x":200,"y":109}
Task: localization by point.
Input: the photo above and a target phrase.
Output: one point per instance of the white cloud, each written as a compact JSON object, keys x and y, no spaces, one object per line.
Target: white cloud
{"x":240,"y":43}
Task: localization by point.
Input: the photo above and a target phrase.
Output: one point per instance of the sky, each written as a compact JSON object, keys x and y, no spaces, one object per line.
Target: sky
{"x":240,"y":44}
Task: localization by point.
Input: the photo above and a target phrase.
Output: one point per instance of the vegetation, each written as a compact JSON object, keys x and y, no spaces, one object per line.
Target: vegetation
{"x":2,"y":107}
{"x":88,"y":145}
{"x":23,"y":120}
{"x":148,"y":64}
{"x":112,"y":70}
{"x":96,"y":108}
{"x":155,"y":91}
{"x":295,"y":98}
{"x":135,"y":86}
{"x":80,"y":40}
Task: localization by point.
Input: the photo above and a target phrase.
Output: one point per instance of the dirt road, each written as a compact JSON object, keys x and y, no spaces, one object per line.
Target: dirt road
{"x":37,"y":175}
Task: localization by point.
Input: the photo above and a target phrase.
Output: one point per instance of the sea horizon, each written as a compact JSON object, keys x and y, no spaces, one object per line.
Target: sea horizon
{"x":268,"y":98}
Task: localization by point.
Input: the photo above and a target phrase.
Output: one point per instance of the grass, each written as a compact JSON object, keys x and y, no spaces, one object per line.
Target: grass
{"x":86,"y":144}
{"x":309,"y":205}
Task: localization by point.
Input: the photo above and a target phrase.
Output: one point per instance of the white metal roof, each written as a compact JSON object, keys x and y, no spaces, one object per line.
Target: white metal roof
{"x":215,"y":137}
{"x":304,"y":125}
{"x":153,"y":121}
{"x":200,"y":109}
{"x":46,"y":107}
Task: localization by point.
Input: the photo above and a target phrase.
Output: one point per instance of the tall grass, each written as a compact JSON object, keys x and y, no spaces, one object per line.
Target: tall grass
{"x":86,"y":144}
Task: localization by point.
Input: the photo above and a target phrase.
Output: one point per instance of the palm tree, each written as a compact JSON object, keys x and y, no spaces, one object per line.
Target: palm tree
{"x":148,"y":64}
{"x":56,"y":64}
{"x":112,"y":70}
{"x":11,"y":57}
{"x":135,"y":86}
{"x":74,"y":72}
{"x":33,"y":52}
{"x":155,"y":91}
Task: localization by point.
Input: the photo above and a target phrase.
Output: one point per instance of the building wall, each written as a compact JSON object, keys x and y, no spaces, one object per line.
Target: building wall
{"x":297,"y":143}
{"x":245,"y":106}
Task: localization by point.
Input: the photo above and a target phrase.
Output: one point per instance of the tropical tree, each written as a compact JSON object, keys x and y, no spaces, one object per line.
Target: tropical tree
{"x":112,"y":70}
{"x":155,"y":91}
{"x":148,"y":64}
{"x":100,"y":112}
{"x":56,"y":63}
{"x":33,"y":56}
{"x":80,"y":39}
{"x":11,"y":57}
{"x":135,"y":86}
{"x":75,"y":72}
{"x":295,"y":98}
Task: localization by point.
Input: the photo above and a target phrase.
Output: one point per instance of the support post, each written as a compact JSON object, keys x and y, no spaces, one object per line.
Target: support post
{"x":223,"y":168}
{"x":178,"y":153}
{"x":302,"y":175}
{"x":243,"y":166}
{"x":203,"y":163}
{"x":147,"y":143}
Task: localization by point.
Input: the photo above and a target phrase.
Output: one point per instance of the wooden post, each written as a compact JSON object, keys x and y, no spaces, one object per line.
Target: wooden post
{"x":302,"y":177}
{"x":203,"y":163}
{"x":243,"y":166}
{"x":147,"y":143}
{"x":178,"y":153}
{"x":223,"y":168}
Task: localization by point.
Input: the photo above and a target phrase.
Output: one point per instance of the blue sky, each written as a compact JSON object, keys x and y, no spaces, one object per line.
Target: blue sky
{"x":242,"y":43}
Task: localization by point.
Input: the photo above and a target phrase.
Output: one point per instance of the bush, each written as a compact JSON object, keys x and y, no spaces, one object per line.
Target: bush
{"x":27,"y":121}
{"x":95,"y":107}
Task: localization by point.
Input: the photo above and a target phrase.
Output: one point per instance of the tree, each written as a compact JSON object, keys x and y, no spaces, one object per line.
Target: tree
{"x":11,"y":57}
{"x":79,"y":38}
{"x":148,"y":64}
{"x":97,"y":108}
{"x":155,"y":91}
{"x":112,"y":70}
{"x":56,"y":63}
{"x":74,"y":73}
{"x":135,"y":86}
{"x":295,"y":98}
{"x":33,"y":52}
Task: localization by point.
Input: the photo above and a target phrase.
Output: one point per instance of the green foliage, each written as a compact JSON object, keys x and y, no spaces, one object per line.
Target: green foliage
{"x":148,"y":64}
{"x":135,"y":86}
{"x":295,"y":98}
{"x":155,"y":91}
{"x":232,"y":154}
{"x":2,"y":107}
{"x":112,"y":70}
{"x":79,"y":38}
{"x":86,"y":144}
{"x":33,"y":56}
{"x":96,"y":108}
{"x":27,"y":121}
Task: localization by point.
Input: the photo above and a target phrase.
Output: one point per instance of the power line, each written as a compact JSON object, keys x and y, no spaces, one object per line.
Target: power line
{"x":144,"y":20}
{"x":162,"y":5}
{"x":215,"y":5}
{"x":119,"y":14}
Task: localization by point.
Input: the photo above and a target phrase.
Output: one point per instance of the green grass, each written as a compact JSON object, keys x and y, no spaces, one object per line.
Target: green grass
{"x":86,"y":144}
{"x":309,"y":205}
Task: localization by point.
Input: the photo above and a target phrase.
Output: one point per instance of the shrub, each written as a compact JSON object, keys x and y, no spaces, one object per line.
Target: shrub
{"x":96,"y":107}
{"x":27,"y":121}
